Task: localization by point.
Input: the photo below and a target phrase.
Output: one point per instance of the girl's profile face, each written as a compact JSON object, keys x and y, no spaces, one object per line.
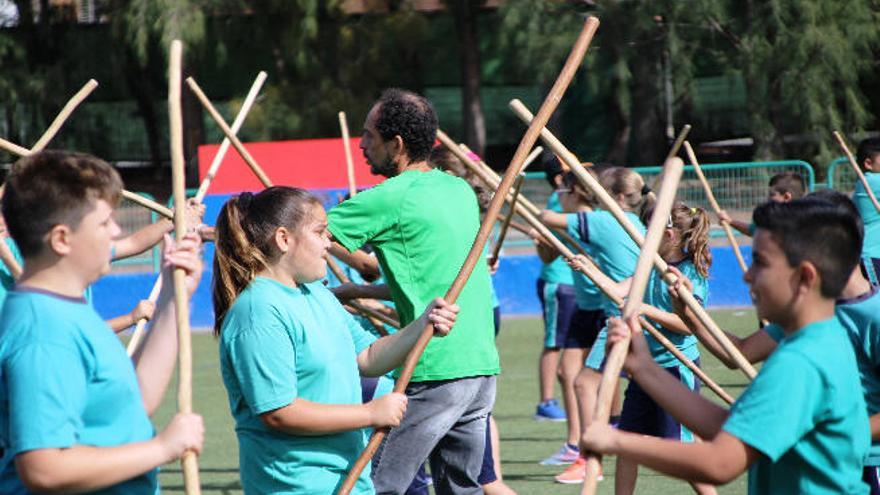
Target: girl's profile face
{"x":309,"y":248}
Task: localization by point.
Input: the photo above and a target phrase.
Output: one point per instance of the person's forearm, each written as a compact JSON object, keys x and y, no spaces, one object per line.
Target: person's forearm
{"x":554,"y":220}
{"x":875,"y":427}
{"x":669,"y":321}
{"x":366,"y":265}
{"x":547,"y":254}
{"x":741,"y":227}
{"x":699,"y":462}
{"x":389,"y":352}
{"x":120,"y":323}
{"x":157,"y":355}
{"x":689,"y":408}
{"x":85,"y":468}
{"x":354,"y":291}
{"x":141,"y":240}
{"x":303,"y":417}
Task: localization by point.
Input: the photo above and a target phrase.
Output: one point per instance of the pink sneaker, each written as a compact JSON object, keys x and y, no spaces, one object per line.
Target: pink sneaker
{"x":565,"y":455}
{"x":575,"y":474}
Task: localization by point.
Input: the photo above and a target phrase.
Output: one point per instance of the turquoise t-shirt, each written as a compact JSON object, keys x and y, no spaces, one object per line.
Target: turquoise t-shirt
{"x":277,"y":344}
{"x":7,"y":281}
{"x":860,"y":317}
{"x":657,"y":296}
{"x":557,"y":271}
{"x":805,"y":413}
{"x":870,"y":217}
{"x":422,"y":226}
{"x":587,"y":296}
{"x":65,"y":380}
{"x":614,"y":250}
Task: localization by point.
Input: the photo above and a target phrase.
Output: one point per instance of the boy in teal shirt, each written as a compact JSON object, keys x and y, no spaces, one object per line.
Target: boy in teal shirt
{"x":868,"y":158}
{"x":801,"y":425}
{"x":73,"y":406}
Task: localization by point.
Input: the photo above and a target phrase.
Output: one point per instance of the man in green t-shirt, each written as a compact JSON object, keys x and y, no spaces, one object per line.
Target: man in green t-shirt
{"x":422,"y":222}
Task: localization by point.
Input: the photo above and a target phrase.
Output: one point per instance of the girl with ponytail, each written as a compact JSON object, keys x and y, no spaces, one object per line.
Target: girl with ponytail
{"x":290,"y":355}
{"x":685,"y":246}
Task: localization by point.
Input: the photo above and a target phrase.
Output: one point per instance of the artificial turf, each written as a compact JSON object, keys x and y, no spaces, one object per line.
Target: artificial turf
{"x":524,"y":441}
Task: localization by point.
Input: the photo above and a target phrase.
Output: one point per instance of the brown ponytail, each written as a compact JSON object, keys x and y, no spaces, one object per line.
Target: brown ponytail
{"x":245,"y":239}
{"x":637,"y":197}
{"x":693,"y":225}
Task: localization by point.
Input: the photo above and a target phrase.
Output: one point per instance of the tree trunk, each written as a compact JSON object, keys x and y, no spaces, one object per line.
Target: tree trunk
{"x":465,"y":15}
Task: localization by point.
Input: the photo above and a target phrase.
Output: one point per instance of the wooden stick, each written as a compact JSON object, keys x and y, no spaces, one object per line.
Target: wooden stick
{"x":245,"y":155}
{"x":148,"y":203}
{"x":71,"y":105}
{"x":349,"y":162}
{"x":672,"y":171}
{"x":13,"y":148}
{"x":858,"y":169}
{"x":236,"y":126}
{"x":494,"y":179}
{"x":522,"y":207}
{"x":138,"y":334}
{"x":476,"y":252}
{"x":375,"y":318}
{"x":711,"y":197}
{"x":496,"y":251}
{"x":611,"y":205}
{"x":189,"y":461}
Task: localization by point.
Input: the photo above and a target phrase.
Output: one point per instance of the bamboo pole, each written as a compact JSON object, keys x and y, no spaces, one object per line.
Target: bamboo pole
{"x":236,"y":126}
{"x":611,"y":205}
{"x":189,"y":461}
{"x":496,"y":251}
{"x":377,"y":319}
{"x":71,"y":105}
{"x":137,"y":336}
{"x":349,"y":162}
{"x":476,"y":251}
{"x":493,"y":179}
{"x":13,"y":148}
{"x":236,"y":143}
{"x":672,"y":171}
{"x":149,"y":204}
{"x":714,"y":203}
{"x":861,"y":175}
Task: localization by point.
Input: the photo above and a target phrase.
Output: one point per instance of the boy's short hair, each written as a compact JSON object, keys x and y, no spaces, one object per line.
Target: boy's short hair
{"x":51,"y":188}
{"x":840,"y":199}
{"x":789,"y":182}
{"x":815,"y":230}
{"x":868,"y":150}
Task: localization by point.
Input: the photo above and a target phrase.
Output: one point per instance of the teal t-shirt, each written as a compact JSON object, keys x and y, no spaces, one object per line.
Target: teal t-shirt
{"x":860,"y":317}
{"x":65,"y":380}
{"x":587,"y":296}
{"x":805,"y":413}
{"x":870,"y":217}
{"x":422,"y":225}
{"x":557,"y":271}
{"x":614,"y":250}
{"x":278,"y":344}
{"x":7,"y":281}
{"x":657,"y":296}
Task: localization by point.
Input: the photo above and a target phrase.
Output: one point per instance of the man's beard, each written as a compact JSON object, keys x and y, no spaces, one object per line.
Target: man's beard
{"x":386,"y":169}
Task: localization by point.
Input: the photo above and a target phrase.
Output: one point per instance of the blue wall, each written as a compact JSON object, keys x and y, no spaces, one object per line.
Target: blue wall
{"x":515,"y":283}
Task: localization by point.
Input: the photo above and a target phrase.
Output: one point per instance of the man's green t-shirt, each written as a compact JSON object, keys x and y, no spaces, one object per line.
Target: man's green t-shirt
{"x":422,"y":225}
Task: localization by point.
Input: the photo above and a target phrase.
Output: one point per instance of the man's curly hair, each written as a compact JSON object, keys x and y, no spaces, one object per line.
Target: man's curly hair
{"x":410,"y":116}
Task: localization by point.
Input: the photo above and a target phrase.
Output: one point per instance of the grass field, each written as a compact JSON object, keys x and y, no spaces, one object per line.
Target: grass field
{"x":523,"y":441}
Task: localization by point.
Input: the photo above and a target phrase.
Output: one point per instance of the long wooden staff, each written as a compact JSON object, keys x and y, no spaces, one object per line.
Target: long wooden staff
{"x":494,"y":180}
{"x":375,"y":318}
{"x":349,"y":162}
{"x":149,"y":204}
{"x":611,"y":205}
{"x":711,"y":197}
{"x":496,"y":251}
{"x":476,"y":252}
{"x":672,"y":171}
{"x":189,"y":461}
{"x":141,"y":325}
{"x":522,"y":207}
{"x":857,"y":168}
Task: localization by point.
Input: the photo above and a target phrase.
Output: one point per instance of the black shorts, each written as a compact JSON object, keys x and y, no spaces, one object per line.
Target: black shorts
{"x":584,"y":328}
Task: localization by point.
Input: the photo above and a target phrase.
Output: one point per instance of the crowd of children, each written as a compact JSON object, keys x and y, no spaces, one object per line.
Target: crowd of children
{"x":306,"y":382}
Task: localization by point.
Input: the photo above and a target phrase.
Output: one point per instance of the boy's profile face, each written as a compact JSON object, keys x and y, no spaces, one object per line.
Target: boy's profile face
{"x":772,"y":281}
{"x":778,"y":197}
{"x":872,"y":164}
{"x":90,"y":243}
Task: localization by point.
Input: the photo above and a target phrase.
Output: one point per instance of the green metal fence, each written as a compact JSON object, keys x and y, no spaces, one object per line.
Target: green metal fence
{"x":131,"y":217}
{"x":841,"y":176}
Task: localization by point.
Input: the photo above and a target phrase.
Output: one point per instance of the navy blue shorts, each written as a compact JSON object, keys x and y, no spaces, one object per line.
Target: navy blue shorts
{"x":557,"y":303}
{"x":487,"y":472}
{"x":871,"y":476}
{"x":585,"y":327}
{"x":642,"y":415}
